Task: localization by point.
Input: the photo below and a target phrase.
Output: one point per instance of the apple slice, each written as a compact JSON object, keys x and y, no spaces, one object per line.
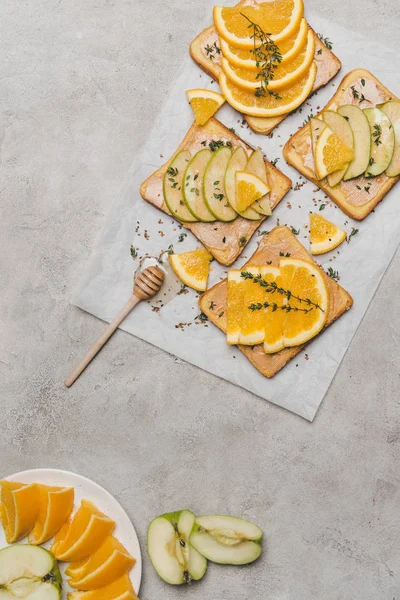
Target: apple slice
{"x":341,"y":127}
{"x":29,"y":572}
{"x":392,"y":111}
{"x":172,"y":187}
{"x":193,"y":186}
{"x":226,"y":540}
{"x":171,"y":554}
{"x":362,"y":140}
{"x":214,"y":186}
{"x":237,"y":162}
{"x":382,"y":141}
{"x":256,"y":166}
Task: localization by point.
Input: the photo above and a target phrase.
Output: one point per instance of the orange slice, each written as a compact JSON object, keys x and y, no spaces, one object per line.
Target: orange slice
{"x":55,"y":507}
{"x":305,"y":281}
{"x":192,"y":268}
{"x":252,"y":323}
{"x":118,"y":590}
{"x":18,"y":509}
{"x":284,"y":75}
{"x":268,"y":106}
{"x":204,"y":103}
{"x":109,"y":563}
{"x":273,"y":319}
{"x":83,"y":534}
{"x":331,"y":154}
{"x":324,"y":235}
{"x":289,"y":49}
{"x":235,"y":306}
{"x":280,"y":18}
{"x":249,"y":188}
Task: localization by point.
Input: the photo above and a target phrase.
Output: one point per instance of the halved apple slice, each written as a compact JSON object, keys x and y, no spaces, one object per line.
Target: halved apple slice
{"x":256,"y":166}
{"x":227,"y":540}
{"x":392,"y":111}
{"x":362,"y":140}
{"x":382,"y":141}
{"x":173,"y":187}
{"x":341,"y":127}
{"x":214,"y":186}
{"x":171,"y":554}
{"x":237,"y":163}
{"x":193,"y":186}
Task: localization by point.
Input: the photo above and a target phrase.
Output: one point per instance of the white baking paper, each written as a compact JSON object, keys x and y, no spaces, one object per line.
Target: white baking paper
{"x":107,"y":283}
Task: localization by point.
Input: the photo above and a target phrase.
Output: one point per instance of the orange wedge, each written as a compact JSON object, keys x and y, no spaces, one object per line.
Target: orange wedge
{"x":249,"y":188}
{"x":204,"y":103}
{"x":192,"y":267}
{"x":331,"y":154}
{"x":108,"y":564}
{"x":82,"y":535}
{"x":289,"y":49}
{"x":118,"y":590}
{"x":280,"y":18}
{"x":324,"y":235}
{"x":55,"y":506}
{"x":19,"y":509}
{"x":285,"y":75}
{"x":289,"y":99}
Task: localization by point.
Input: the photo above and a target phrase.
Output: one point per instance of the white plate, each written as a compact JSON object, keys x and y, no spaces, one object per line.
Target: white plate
{"x":87,"y":489}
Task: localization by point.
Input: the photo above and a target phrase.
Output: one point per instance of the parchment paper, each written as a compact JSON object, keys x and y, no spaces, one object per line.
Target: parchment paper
{"x":107,"y":283}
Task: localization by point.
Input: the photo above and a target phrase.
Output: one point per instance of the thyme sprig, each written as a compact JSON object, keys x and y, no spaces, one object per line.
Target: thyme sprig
{"x":272,"y":288}
{"x":267,"y":56}
{"x":377,"y":134}
{"x":286,"y":307}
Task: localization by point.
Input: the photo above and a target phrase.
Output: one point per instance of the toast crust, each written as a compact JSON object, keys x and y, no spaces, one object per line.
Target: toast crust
{"x":225,"y":241}
{"x":356,"y":203}
{"x":328,"y":65}
{"x":280,"y":239}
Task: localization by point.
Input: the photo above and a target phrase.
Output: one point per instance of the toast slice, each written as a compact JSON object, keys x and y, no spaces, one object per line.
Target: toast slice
{"x":280,"y":239}
{"x":328,"y":65}
{"x":356,"y":197}
{"x":225,"y":241}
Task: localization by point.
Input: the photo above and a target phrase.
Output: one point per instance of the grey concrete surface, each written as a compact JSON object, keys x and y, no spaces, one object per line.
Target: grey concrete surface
{"x":80,"y":83}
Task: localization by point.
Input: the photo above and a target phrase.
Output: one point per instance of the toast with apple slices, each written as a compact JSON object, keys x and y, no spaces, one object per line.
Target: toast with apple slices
{"x":356,"y":197}
{"x":225,"y":240}
{"x":279,"y":240}
{"x":205,"y":51}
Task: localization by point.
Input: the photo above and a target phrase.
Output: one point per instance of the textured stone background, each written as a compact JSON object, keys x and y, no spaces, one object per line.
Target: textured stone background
{"x":80,"y":83}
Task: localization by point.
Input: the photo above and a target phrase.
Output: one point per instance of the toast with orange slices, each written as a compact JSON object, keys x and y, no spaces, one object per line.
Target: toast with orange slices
{"x":206,"y":52}
{"x":356,"y":197}
{"x":280,"y":241}
{"x":225,"y":241}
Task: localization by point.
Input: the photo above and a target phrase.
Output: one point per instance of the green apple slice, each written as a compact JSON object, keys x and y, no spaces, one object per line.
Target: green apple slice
{"x":392,"y":111}
{"x":361,"y":137}
{"x":29,"y":572}
{"x":193,"y":186}
{"x":171,"y":554}
{"x":172,"y":187}
{"x":227,"y":540}
{"x":382,"y":141}
{"x":237,"y":162}
{"x":214,"y":186}
{"x":341,"y":127}
{"x":256,"y":166}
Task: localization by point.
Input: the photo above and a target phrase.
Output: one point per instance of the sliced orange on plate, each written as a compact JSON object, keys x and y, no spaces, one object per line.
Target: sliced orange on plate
{"x":55,"y":506}
{"x":280,"y":18}
{"x":118,"y":590}
{"x":331,"y":154}
{"x":82,"y":535}
{"x":285,"y":74}
{"x":192,"y":268}
{"x":204,"y":103}
{"x":249,"y":189}
{"x":19,"y":509}
{"x":245,"y":59}
{"x":324,"y":235}
{"x":269,"y":105}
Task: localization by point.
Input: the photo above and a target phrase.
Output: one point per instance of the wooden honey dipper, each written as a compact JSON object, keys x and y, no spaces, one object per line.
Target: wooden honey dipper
{"x":147,"y":283}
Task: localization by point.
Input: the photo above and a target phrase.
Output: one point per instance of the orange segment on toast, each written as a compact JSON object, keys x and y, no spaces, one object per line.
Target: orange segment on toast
{"x":273,"y":320}
{"x":118,"y":590}
{"x":83,"y":534}
{"x":19,"y":509}
{"x":55,"y":506}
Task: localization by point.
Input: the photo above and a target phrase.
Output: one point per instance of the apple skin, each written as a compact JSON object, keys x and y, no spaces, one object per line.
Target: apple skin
{"x":392,"y":111}
{"x":382,"y":141}
{"x":362,"y":140}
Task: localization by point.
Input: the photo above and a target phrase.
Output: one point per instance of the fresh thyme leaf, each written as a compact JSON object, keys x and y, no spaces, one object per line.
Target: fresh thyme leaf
{"x":212,"y":50}
{"x":377,"y":132}
{"x":308,"y":118}
{"x":133,"y":252}
{"x":170,"y":249}
{"x":212,"y":305}
{"x":362,"y":82}
{"x":195,"y":177}
{"x":182,"y":237}
{"x":319,"y":51}
{"x":371,"y":162}
{"x":219,"y":196}
{"x":367,"y":188}
{"x":333,"y":274}
{"x":355,"y":93}
{"x":274,"y":162}
{"x":221,"y":314}
{"x":286,"y":307}
{"x":242,"y":241}
{"x":326,"y":41}
{"x":201,"y":317}
{"x":224,"y":240}
{"x":322,"y":207}
{"x":294,"y":231}
{"x":216,"y":182}
{"x":173,"y":171}
{"x":183,"y":288}
{"x":353,"y":232}
{"x":215,"y":144}
{"x":358,"y":187}
{"x":232,"y":129}
{"x":285,"y":255}
{"x":204,"y":143}
{"x":264,"y":232}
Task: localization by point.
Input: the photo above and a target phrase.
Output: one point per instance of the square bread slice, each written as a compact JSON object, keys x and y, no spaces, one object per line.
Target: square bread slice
{"x":356,"y":197}
{"x":225,"y":241}
{"x":279,"y":240}
{"x":328,"y":65}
